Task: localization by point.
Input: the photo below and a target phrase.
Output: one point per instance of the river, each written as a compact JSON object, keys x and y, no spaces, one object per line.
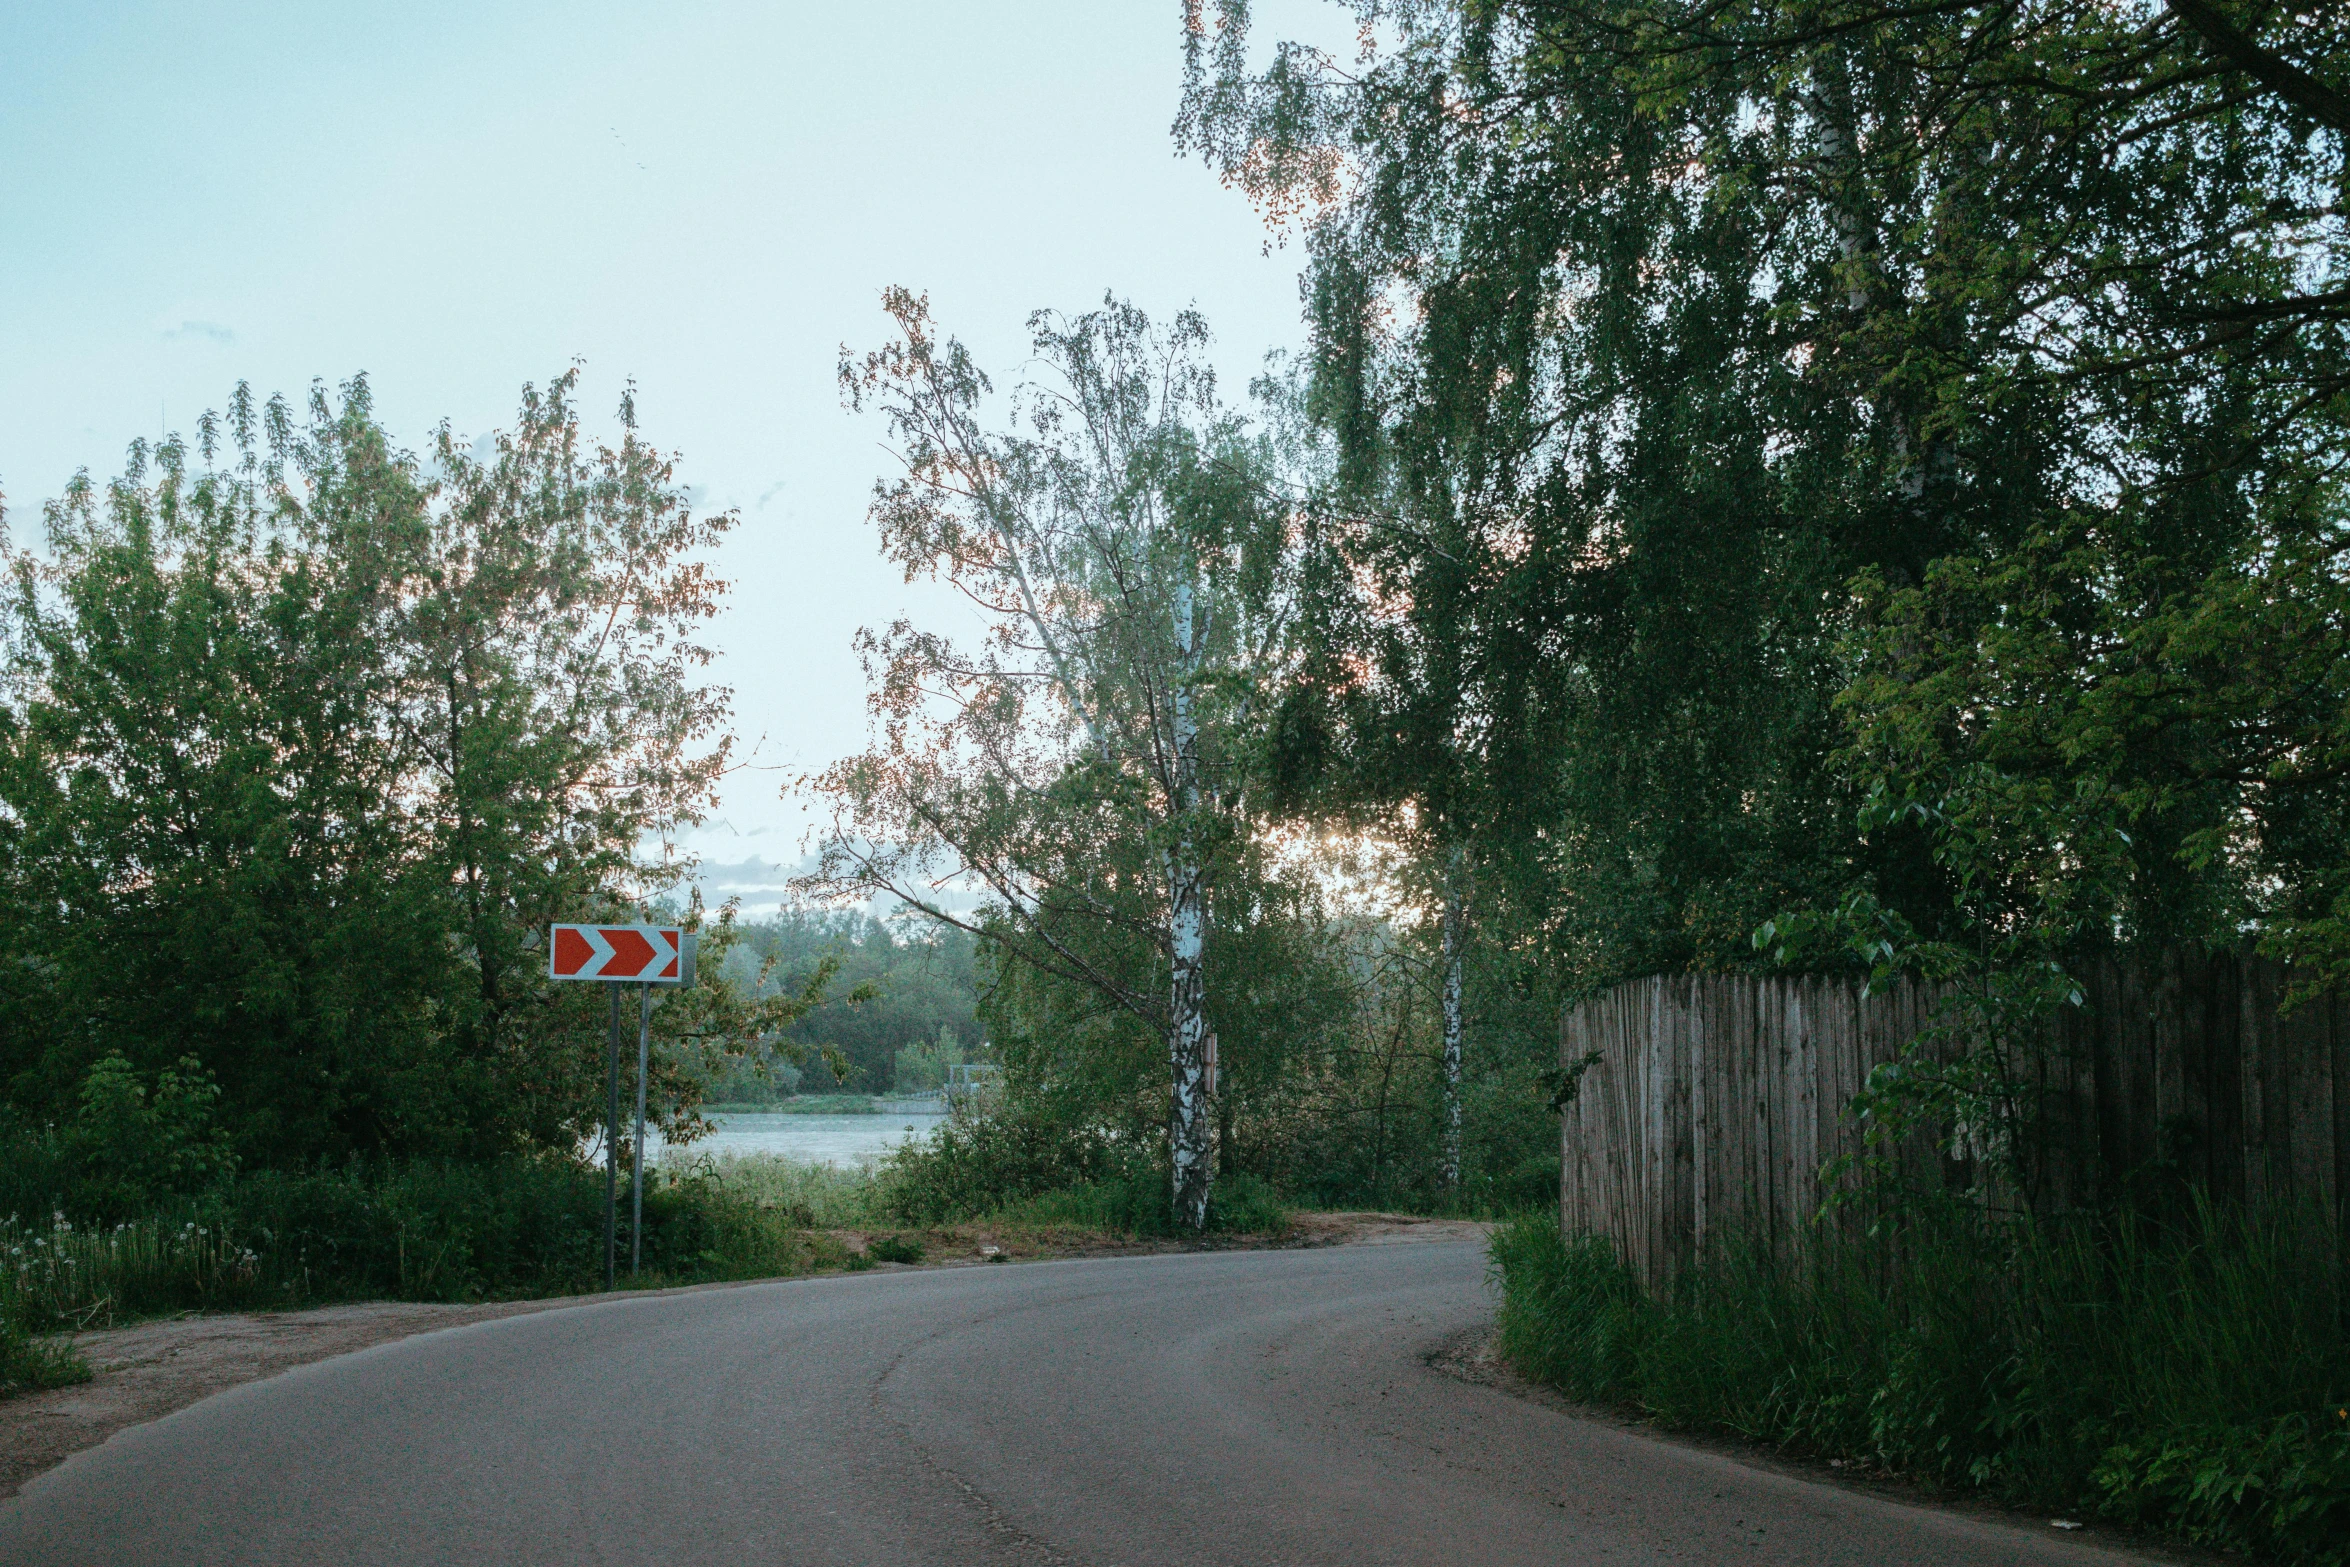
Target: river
{"x":811,"y":1139}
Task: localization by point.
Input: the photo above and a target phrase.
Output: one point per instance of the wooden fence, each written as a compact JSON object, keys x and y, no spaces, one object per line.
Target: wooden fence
{"x":1717,"y":1099}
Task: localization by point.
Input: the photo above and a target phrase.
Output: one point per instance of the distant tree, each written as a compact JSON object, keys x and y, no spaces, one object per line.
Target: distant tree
{"x":909,"y":983}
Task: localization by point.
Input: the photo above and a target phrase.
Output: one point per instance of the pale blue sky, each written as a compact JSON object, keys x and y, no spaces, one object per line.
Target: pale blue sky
{"x":707,"y":197}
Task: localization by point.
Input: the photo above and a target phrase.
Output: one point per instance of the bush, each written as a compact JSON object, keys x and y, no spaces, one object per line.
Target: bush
{"x":2193,"y":1379}
{"x":979,"y":1164}
{"x":415,"y":1230}
{"x":894,"y":1248}
{"x":1023,"y":1169}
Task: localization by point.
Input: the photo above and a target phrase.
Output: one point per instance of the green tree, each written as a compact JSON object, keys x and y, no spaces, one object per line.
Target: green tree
{"x":304,"y":742}
{"x":1696,"y":368}
{"x":1124,"y":544}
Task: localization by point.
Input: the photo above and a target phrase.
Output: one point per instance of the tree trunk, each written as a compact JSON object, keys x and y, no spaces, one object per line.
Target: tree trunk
{"x":1189,"y":1135}
{"x":1455,"y":933}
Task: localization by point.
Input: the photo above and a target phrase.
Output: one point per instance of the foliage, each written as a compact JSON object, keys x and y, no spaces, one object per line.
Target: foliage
{"x":894,"y":1248}
{"x":1742,"y":408}
{"x":809,"y":1196}
{"x":914,"y":985}
{"x":140,"y":1147}
{"x":975,"y":1164}
{"x":30,"y":1363}
{"x":2188,"y":1379}
{"x":922,"y":1066}
{"x":1124,"y":540}
{"x":414,"y":1230}
{"x":304,"y":739}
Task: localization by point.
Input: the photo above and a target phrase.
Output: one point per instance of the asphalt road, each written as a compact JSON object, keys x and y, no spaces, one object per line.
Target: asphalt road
{"x":1229,"y":1407}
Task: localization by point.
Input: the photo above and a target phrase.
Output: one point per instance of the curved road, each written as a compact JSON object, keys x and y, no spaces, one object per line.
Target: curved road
{"x":1226,"y":1407}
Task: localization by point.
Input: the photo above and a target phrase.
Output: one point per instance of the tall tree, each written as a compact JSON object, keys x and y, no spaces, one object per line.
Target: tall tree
{"x":1995,"y":354}
{"x":1124,"y":544}
{"x":305,"y":740}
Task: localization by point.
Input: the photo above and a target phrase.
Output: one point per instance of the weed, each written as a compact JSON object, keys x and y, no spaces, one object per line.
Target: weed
{"x":29,"y":1362}
{"x":894,"y":1248}
{"x":2191,"y":1379}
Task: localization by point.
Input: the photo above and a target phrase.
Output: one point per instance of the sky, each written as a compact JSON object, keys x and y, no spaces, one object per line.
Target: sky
{"x":705,"y":198}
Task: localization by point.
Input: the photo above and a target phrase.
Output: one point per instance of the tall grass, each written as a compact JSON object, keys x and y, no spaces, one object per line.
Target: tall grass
{"x":910,"y":1191}
{"x":814,"y":1196}
{"x":415,"y":1231}
{"x":2192,"y":1378}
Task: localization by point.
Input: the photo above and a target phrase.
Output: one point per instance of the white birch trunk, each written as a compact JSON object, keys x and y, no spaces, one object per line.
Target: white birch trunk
{"x":1456,"y":913}
{"x":1852,"y":232}
{"x":1189,"y":1133}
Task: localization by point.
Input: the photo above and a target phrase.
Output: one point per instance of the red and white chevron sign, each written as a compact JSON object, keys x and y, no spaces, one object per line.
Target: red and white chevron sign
{"x":637,"y":954}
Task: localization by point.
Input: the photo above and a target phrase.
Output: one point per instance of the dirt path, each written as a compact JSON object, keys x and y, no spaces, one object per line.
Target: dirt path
{"x":145,"y":1372}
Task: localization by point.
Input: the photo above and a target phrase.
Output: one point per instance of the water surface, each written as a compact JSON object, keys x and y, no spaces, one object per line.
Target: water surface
{"x":811,"y":1139}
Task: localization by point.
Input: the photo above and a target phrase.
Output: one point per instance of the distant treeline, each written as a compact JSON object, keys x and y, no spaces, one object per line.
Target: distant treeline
{"x":920,"y":1017}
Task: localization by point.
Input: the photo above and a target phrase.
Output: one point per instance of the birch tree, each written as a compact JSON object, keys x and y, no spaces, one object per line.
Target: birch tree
{"x":1122,"y":540}
{"x":1835,"y":396}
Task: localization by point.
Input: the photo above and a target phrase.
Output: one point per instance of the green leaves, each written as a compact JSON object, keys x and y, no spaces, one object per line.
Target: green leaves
{"x":140,"y":1144}
{"x":304,"y":742}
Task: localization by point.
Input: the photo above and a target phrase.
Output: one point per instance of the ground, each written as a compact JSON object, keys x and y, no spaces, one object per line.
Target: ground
{"x":145,"y":1372}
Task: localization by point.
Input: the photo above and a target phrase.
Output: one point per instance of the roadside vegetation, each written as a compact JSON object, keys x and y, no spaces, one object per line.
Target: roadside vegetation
{"x":2169,"y":1376}
{"x":1809,"y":486}
{"x":1805,"y":490}
{"x":504,"y":1229}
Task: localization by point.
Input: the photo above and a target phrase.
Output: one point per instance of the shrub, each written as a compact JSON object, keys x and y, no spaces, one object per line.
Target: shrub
{"x":1024,"y":1169}
{"x":2193,"y":1378}
{"x":894,"y":1248}
{"x":412,"y":1230}
{"x":978,"y":1164}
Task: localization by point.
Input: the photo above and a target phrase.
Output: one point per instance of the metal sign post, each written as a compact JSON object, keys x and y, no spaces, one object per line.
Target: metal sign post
{"x":616,"y":955}
{"x":611,"y":1129}
{"x":636,"y":1174}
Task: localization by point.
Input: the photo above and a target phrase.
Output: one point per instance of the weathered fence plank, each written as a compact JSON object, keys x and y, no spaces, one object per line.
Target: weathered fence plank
{"x":1718,"y":1099}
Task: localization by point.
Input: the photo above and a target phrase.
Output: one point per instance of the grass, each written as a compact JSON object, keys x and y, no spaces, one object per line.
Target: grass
{"x":814,"y":1196}
{"x":831,"y":1196}
{"x":502,"y":1230}
{"x":420,"y":1231}
{"x":30,"y":1362}
{"x":1139,"y":1207}
{"x":2193,"y":1379}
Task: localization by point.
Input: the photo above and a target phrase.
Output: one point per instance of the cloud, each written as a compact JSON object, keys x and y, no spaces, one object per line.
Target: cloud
{"x":767,"y":495}
{"x":211,"y":329}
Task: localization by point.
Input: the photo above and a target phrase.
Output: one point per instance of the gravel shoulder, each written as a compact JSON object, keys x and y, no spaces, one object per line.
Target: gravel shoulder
{"x":147,"y":1371}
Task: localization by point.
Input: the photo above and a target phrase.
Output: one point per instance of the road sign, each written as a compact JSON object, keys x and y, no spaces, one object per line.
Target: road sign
{"x":630,"y":954}
{"x":619,"y":955}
